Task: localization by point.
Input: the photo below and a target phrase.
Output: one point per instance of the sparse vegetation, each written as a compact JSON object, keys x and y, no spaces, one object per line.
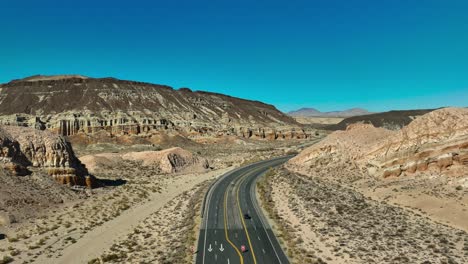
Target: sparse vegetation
{"x":172,"y":229}
{"x":51,"y":233}
{"x":13,"y":239}
{"x":341,"y":224}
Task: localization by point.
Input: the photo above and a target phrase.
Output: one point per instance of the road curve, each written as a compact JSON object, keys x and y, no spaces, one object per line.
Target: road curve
{"x":224,"y":228}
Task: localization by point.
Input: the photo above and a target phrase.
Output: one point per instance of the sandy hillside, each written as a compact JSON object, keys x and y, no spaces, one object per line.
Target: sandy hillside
{"x":436,"y":140}
{"x":168,"y":160}
{"x":356,"y":191}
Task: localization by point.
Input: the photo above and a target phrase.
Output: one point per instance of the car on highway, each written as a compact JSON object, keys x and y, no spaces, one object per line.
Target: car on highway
{"x":243,"y":248}
{"x":247,"y":216}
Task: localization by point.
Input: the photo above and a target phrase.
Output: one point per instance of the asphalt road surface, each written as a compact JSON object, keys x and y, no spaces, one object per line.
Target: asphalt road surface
{"x":225,"y":229}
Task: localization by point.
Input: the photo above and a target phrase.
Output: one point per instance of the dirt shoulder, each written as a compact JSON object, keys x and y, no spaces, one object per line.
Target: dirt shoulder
{"x":95,"y":243}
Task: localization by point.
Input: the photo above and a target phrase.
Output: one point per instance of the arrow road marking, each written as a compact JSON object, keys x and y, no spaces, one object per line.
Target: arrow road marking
{"x":221,"y":248}
{"x":216,"y":242}
{"x":210,"y":248}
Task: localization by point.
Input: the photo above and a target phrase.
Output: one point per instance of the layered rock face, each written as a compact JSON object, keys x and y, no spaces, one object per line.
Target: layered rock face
{"x":70,"y":105}
{"x":435,"y":141}
{"x":24,"y":148}
{"x":168,"y":161}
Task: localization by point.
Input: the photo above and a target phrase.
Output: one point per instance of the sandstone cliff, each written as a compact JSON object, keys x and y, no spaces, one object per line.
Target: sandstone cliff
{"x":24,"y":148}
{"x":71,"y":105}
{"x":167,"y":161}
{"x":435,"y":141}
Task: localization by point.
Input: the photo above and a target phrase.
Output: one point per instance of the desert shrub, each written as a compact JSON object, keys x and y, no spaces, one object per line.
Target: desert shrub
{"x":6,"y":259}
{"x":110,"y":257}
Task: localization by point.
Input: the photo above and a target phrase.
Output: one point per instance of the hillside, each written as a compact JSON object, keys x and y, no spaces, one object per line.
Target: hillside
{"x":373,"y":187}
{"x":392,"y":120}
{"x":73,"y":104}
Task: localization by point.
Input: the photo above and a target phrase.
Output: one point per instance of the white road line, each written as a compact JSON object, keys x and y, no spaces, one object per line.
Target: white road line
{"x":206,"y":222}
{"x":207,"y":213}
{"x":252,"y":195}
{"x":210,"y":194}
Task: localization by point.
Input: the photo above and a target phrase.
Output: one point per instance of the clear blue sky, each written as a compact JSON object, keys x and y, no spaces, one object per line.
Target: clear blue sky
{"x":380,"y":55}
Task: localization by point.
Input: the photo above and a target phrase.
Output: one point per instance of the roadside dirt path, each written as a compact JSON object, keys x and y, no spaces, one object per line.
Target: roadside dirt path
{"x":94,"y":243}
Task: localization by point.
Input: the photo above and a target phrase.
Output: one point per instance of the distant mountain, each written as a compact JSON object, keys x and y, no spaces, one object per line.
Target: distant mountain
{"x":312,"y":112}
{"x":392,"y":120}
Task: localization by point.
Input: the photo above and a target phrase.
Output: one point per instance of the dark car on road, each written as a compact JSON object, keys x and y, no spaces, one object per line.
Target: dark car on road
{"x":247,"y":216}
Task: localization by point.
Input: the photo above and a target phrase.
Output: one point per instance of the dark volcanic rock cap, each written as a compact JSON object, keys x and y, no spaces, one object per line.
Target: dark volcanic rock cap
{"x":43,"y":95}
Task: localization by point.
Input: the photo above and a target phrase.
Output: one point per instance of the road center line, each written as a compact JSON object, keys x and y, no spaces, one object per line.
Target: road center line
{"x":225,"y":229}
{"x":241,"y":215}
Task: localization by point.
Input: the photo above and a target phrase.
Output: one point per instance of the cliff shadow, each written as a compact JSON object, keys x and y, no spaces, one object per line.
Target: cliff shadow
{"x":110,"y":182}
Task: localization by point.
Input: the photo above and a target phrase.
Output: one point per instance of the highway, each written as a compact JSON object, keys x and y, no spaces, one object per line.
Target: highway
{"x":224,"y":229}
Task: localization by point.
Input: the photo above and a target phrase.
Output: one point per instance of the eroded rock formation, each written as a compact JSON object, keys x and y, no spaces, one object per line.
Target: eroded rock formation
{"x":168,"y":161}
{"x":435,"y":141}
{"x":24,"y":148}
{"x":71,"y":105}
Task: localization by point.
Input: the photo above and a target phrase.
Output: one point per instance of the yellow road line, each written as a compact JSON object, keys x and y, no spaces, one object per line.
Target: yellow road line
{"x":243,"y":177}
{"x":225,"y":229}
{"x":241,"y":215}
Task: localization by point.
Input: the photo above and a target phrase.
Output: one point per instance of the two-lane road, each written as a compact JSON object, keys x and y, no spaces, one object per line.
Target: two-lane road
{"x":224,"y":228}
